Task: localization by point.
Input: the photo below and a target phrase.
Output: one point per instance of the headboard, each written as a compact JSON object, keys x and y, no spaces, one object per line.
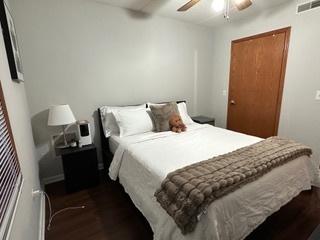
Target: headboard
{"x":107,"y":155}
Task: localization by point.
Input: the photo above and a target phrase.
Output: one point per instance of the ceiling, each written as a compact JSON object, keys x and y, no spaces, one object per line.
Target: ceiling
{"x":199,"y":14}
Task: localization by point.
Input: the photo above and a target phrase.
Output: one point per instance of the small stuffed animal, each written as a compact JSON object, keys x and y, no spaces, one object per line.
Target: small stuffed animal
{"x":176,"y":124}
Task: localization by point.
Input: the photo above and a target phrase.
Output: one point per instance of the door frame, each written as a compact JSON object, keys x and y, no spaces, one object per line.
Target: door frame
{"x":287,"y":32}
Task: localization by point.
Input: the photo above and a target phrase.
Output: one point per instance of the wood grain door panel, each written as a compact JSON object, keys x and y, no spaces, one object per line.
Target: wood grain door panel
{"x":256,"y":81}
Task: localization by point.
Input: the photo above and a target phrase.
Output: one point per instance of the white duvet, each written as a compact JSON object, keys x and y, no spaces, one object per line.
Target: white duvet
{"x":142,"y":162}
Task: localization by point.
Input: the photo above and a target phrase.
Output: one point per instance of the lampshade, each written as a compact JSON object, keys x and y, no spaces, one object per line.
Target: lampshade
{"x":60,"y":115}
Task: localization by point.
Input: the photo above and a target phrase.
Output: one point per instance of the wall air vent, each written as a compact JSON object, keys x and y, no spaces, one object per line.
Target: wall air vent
{"x":308,"y":6}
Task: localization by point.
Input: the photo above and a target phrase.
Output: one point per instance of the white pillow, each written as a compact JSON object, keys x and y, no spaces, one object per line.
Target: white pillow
{"x":186,"y":119}
{"x":109,"y":123}
{"x":133,"y":122}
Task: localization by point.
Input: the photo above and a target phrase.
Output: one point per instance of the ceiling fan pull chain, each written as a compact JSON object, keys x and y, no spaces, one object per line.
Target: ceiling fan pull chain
{"x":227,"y":10}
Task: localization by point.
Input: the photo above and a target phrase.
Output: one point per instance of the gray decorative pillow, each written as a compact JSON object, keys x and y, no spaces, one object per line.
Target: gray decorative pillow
{"x":161,"y":115}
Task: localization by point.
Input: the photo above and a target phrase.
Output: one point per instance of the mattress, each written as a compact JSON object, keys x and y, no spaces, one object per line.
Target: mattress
{"x":141,"y":163}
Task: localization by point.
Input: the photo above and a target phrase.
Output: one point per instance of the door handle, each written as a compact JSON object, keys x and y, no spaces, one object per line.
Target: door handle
{"x":232,"y":102}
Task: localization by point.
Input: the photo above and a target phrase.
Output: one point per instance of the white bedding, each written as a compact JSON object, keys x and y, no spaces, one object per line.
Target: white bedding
{"x":114,"y":142}
{"x":142,"y":162}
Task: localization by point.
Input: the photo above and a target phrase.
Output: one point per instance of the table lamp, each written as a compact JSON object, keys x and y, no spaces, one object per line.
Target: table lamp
{"x":61,"y":115}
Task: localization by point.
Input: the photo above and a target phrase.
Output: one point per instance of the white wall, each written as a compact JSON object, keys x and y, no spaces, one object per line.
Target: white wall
{"x":26,"y":221}
{"x":300,"y":113}
{"x":89,"y":54}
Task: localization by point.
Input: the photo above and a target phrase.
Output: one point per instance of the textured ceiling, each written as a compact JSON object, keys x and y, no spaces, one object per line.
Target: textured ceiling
{"x":199,"y":14}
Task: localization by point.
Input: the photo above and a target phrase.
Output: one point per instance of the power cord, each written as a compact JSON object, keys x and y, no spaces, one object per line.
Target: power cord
{"x":52,"y":214}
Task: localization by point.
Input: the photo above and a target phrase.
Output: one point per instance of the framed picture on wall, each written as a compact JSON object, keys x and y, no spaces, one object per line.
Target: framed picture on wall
{"x":11,"y":43}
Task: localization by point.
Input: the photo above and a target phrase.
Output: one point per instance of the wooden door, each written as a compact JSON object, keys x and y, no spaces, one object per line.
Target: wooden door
{"x":257,"y":73}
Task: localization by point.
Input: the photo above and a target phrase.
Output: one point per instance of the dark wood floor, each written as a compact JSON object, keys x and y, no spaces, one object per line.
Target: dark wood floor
{"x":110,"y":215}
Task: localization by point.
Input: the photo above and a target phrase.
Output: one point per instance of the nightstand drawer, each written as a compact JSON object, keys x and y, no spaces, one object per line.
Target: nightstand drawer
{"x":80,"y":168}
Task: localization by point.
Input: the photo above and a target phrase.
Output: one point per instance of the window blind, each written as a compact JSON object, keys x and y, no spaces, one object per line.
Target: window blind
{"x":10,"y":173}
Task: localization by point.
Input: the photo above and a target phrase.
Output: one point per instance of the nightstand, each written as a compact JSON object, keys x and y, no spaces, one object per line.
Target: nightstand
{"x":204,"y":120}
{"x":80,"y":166}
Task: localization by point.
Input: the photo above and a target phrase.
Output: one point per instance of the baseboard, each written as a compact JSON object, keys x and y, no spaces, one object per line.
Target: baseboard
{"x":52,"y":179}
{"x":60,"y":177}
{"x":42,"y":217}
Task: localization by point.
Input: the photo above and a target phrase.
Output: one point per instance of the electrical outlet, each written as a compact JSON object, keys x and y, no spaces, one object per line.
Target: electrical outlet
{"x":36,"y":193}
{"x":318,"y":95}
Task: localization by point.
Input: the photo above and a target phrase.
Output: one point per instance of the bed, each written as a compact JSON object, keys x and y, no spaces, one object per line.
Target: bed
{"x":141,"y":162}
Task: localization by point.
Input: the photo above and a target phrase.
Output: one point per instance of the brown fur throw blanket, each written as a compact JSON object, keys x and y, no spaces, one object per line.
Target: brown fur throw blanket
{"x":187,"y":192}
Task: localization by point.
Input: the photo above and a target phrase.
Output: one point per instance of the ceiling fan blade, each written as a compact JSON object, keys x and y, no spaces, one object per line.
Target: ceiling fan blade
{"x":188,"y":5}
{"x":242,"y":4}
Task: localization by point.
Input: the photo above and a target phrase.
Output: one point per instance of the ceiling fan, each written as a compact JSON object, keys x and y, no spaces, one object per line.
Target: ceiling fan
{"x":219,"y":5}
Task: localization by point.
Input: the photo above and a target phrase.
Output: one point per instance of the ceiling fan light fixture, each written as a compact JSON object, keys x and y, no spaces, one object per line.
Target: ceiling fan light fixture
{"x":218,"y":5}
{"x":242,"y":4}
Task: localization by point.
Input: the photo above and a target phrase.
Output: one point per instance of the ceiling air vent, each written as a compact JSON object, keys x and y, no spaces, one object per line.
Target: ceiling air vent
{"x":308,"y":6}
